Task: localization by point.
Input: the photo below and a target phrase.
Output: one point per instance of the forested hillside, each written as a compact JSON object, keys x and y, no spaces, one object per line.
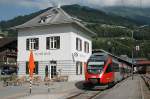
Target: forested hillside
{"x":92,"y":16}
{"x":113,"y":31}
{"x":139,"y":14}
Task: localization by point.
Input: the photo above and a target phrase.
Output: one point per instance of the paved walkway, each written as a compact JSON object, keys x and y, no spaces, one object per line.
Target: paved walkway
{"x":57,"y":90}
{"x":128,"y":89}
{"x":46,"y":96}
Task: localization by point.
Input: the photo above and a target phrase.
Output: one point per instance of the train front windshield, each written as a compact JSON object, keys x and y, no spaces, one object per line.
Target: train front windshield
{"x":95,"y":67}
{"x":96,"y":63}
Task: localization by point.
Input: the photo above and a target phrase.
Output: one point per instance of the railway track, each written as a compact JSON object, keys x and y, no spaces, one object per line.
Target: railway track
{"x":91,"y":94}
{"x":85,"y":95}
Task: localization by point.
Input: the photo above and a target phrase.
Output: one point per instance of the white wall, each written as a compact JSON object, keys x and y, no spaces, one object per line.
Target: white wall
{"x":82,"y":56}
{"x":67,"y":44}
{"x":64,"y":56}
{"x":42,"y":54}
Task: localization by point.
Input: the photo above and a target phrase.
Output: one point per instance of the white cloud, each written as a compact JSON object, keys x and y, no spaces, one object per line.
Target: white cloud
{"x":41,"y":4}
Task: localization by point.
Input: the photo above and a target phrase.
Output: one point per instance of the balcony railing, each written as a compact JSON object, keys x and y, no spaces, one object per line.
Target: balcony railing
{"x":8,"y":63}
{"x":11,"y":53}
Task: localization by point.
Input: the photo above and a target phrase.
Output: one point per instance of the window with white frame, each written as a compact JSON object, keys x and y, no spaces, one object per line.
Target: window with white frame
{"x":86,"y":47}
{"x":53,"y":42}
{"x":32,"y":44}
{"x":78,"y":68}
{"x":78,"y":44}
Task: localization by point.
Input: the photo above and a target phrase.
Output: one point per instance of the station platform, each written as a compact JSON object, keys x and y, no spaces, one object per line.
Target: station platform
{"x":127,"y":89}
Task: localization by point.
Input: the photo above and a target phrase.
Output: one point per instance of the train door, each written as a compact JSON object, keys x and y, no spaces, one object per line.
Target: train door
{"x":116,"y":69}
{"x":108,"y":76}
{"x":109,"y":73}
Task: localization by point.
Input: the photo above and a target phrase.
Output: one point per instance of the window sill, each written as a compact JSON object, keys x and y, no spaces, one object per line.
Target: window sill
{"x":79,"y":74}
{"x":79,"y":50}
{"x":33,"y":50}
{"x":52,"y":49}
{"x":33,"y":74}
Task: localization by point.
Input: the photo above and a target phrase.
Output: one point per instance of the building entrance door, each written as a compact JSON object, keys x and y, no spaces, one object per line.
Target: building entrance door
{"x":53,"y":69}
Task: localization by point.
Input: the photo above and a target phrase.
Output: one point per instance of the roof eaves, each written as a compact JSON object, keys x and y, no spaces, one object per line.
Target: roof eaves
{"x":85,"y":28}
{"x":39,"y":25}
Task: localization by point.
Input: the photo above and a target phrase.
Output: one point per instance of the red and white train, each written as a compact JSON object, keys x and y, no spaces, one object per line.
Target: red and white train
{"x":103,"y":69}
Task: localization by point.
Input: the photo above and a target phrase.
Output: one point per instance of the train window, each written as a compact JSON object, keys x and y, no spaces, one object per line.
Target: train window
{"x":115,"y":67}
{"x":95,"y":67}
{"x":109,"y":68}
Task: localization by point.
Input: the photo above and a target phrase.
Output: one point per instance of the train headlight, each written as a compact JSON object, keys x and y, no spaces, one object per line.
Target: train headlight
{"x":100,"y":76}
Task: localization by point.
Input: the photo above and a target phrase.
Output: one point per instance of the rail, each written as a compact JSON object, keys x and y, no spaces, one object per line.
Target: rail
{"x":85,"y":95}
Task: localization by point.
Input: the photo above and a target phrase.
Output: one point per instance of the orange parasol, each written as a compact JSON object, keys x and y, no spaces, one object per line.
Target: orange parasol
{"x":31,"y":64}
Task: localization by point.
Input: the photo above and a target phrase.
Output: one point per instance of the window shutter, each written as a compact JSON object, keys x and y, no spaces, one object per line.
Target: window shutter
{"x":47,"y":43}
{"x":80,"y":45}
{"x":84,"y":46}
{"x":27,"y":68}
{"x":58,"y":42}
{"x":77,"y":68}
{"x":36,"y":67}
{"x":76,"y":43}
{"x":80,"y":67}
{"x":88,"y":48}
{"x":37,"y":43}
{"x":27,"y":44}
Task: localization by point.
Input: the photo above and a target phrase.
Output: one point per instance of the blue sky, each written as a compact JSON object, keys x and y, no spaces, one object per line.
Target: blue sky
{"x":10,"y":11}
{"x":12,"y":8}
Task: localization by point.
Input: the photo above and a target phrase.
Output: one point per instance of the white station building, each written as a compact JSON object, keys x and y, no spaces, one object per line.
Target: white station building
{"x":60,"y":43}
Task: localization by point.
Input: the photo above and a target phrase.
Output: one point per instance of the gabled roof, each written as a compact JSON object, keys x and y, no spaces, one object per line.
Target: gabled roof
{"x":50,"y":17}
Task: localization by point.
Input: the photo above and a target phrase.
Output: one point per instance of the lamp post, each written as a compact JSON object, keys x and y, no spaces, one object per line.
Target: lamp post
{"x":132,"y":31}
{"x":132,"y":53}
{"x":143,"y":26}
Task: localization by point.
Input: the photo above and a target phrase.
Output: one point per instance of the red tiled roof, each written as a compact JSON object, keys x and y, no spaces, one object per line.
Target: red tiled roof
{"x":144,"y":62}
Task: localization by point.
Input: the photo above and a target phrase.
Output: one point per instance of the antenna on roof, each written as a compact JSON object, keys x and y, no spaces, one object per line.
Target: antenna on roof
{"x":59,"y":5}
{"x":140,"y":3}
{"x":54,"y":4}
{"x":123,"y":3}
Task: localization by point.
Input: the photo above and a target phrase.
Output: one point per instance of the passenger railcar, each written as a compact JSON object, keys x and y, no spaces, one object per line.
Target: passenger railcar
{"x":103,"y":69}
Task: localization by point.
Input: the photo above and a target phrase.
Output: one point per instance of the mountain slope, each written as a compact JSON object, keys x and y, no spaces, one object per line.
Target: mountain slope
{"x":140,"y":15}
{"x":105,"y":24}
{"x":97,"y":16}
{"x":85,"y":13}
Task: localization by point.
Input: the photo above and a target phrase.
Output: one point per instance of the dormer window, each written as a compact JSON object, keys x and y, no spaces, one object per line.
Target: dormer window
{"x":47,"y":17}
{"x":43,"y":19}
{"x":54,"y":11}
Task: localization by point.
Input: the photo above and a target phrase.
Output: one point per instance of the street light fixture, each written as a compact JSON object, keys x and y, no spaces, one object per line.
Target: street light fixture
{"x":132,"y":53}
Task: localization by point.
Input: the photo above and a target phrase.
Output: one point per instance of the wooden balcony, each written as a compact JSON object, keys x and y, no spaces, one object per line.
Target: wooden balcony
{"x":11,"y":53}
